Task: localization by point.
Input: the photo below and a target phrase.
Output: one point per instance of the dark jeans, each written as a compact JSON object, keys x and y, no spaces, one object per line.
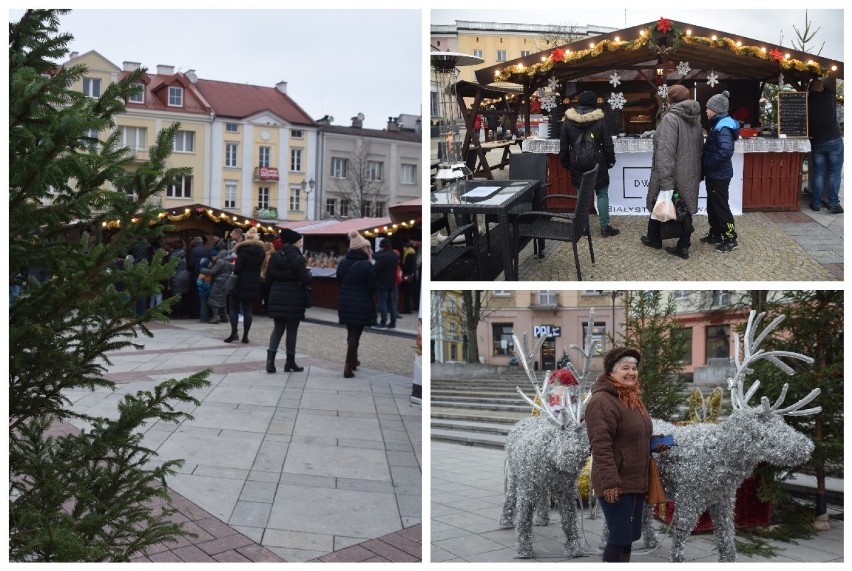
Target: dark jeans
{"x":655,"y":235}
{"x":387,"y":299}
{"x":718,"y":210}
{"x":282,"y":325}
{"x":623,"y":518}
{"x":827,"y":158}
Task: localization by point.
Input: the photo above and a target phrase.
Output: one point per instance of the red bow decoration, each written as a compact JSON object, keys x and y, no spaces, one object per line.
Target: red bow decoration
{"x":776,"y":55}
{"x":557,"y":54}
{"x":564,"y":377}
{"x":664,"y":25}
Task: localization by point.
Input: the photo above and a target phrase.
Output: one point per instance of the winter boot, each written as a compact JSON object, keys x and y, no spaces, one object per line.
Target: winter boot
{"x":349,"y":365}
{"x":270,"y":361}
{"x":232,"y":337}
{"x":291,"y":366}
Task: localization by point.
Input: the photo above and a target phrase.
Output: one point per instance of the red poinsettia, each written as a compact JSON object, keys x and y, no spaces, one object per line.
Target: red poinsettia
{"x":664,"y":25}
{"x":776,"y":55}
{"x":563,"y":377}
{"x":557,"y":54}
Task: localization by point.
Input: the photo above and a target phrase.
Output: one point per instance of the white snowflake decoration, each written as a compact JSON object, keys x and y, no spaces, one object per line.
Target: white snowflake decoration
{"x":712,"y":78}
{"x":683,"y":68}
{"x":541,"y":93}
{"x":548,"y":102}
{"x":780,"y":79}
{"x":663,"y":91}
{"x":553,"y":84}
{"x":616,"y":100}
{"x":615,"y":79}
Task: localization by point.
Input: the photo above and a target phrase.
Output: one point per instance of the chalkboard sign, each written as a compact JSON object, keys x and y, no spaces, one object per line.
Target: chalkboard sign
{"x":793,"y":113}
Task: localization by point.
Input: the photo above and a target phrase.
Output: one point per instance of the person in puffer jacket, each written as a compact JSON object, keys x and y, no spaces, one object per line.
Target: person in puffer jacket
{"x":718,"y":171}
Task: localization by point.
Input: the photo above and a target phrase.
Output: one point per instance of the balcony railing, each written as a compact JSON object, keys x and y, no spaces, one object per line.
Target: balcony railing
{"x":265,"y":173}
{"x":265,"y":213}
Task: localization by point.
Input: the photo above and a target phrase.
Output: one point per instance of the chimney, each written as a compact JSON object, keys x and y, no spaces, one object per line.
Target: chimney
{"x":73,"y":55}
{"x":358,"y":121}
{"x":281,"y":86}
{"x":191,"y":76}
{"x":131,"y":65}
{"x":325,"y":120}
{"x":393,"y":124}
{"x":165,"y":70}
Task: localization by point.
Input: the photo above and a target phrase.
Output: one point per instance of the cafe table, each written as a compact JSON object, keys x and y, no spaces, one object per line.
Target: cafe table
{"x":470,"y":198}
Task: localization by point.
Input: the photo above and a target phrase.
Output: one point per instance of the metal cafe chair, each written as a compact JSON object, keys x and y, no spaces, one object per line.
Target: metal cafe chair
{"x":565,"y":227}
{"x":530,"y":166}
{"x":448,"y":251}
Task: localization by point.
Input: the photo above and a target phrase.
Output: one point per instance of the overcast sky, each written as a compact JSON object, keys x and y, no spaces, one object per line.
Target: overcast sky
{"x":336,"y":62}
{"x":766,"y":25}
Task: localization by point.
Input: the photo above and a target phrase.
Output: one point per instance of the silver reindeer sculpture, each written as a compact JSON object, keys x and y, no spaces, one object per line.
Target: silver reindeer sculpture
{"x":545,"y":455}
{"x":710,"y":461}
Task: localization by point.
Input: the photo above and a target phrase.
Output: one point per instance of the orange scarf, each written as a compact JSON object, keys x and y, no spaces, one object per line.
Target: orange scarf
{"x":629,"y":395}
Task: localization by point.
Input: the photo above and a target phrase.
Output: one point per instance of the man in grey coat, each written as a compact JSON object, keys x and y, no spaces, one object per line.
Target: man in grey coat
{"x":678,"y":144}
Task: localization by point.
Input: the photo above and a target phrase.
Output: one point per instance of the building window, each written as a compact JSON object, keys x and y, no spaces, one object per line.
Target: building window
{"x":263,"y":197}
{"x":297,"y":134}
{"x":598,"y":335}
{"x":434,"y":104}
{"x":330,"y":206}
{"x":263,"y":154}
{"x":184,"y":142}
{"x":409,"y":174}
{"x":181,"y":189}
{"x":525,"y":53}
{"x":547,"y":297}
{"x":91,"y":87}
{"x":232,"y":128}
{"x":477,"y":53}
{"x":296,"y":160}
{"x":681,"y":294}
{"x":454,"y":352}
{"x":344,"y":207}
{"x":295,"y":199}
{"x":374,"y":170}
{"x":231,"y":154}
{"x":503,"y":344}
{"x":137,"y":97}
{"x":380,"y":209}
{"x":134,"y":138}
{"x":175,"y":96}
{"x":230,"y":194}
{"x":718,"y":341}
{"x":686,"y":332}
{"x":367,"y":209}
{"x":501,"y":55}
{"x":501,"y":293}
{"x":721,"y":298}
{"x":338,"y":167}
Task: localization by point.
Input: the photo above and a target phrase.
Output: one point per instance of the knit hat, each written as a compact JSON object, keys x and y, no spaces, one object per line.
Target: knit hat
{"x":252,"y":234}
{"x":588,"y":99}
{"x":356,"y":241}
{"x":615,"y":355}
{"x":385,"y":243}
{"x":213,"y":253}
{"x":678,"y":93}
{"x":289,"y":236}
{"x":719,"y":103}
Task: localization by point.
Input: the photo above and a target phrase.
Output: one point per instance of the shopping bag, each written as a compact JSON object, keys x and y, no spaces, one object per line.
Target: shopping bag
{"x":664,"y":208}
{"x":656,"y":493}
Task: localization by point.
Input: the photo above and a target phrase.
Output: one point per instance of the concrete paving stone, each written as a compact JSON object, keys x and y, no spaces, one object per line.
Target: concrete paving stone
{"x":258,"y":554}
{"x":231,"y":419}
{"x":253,"y":533}
{"x":405,"y":474}
{"x":440,"y":530}
{"x":271,"y":456}
{"x":232,"y":450}
{"x":281,"y":429}
{"x":342,"y":542}
{"x":389,"y":552}
{"x":219,"y":472}
{"x":319,"y":412}
{"x":357,"y":414}
{"x":307,"y":480}
{"x":321,"y":400}
{"x":410,"y":505}
{"x":467,"y":546}
{"x":252,"y":514}
{"x":384,"y":487}
{"x":291,"y":404}
{"x":505,"y":537}
{"x":298,"y":540}
{"x":398,"y":446}
{"x":438,"y":555}
{"x":295,"y":555}
{"x":258,"y":491}
{"x":338,"y":427}
{"x":216,"y":495}
{"x":314,"y":440}
{"x":277,"y":439}
{"x":352,"y":443}
{"x":438,"y":509}
{"x":409,"y":521}
{"x":261,"y":476}
{"x":370,"y":514}
{"x":411,"y":487}
{"x":402,"y":459}
{"x":469,"y":521}
{"x":396,"y":436}
{"x":334,"y":461}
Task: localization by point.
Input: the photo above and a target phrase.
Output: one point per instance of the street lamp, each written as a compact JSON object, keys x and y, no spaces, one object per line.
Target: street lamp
{"x":614,"y":294}
{"x":307,"y":186}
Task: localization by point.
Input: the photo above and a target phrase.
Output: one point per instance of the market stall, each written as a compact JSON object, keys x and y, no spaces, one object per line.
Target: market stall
{"x":631,"y":70}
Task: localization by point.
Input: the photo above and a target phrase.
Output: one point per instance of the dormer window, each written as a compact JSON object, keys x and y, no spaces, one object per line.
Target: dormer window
{"x":137,"y":97}
{"x":175,"y":96}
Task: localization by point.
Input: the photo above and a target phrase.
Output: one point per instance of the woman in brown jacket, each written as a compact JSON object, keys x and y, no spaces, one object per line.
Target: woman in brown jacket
{"x":619,"y":430}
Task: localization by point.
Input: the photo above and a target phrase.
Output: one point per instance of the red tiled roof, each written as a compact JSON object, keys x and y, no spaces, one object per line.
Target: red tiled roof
{"x":238,"y":100}
{"x":193,"y":101}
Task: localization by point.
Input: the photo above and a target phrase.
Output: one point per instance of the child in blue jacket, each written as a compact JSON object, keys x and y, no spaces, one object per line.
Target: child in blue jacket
{"x":718,"y":171}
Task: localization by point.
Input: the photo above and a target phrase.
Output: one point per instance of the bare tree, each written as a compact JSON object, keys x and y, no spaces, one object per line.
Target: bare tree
{"x":363,"y":182}
{"x":557,"y":35}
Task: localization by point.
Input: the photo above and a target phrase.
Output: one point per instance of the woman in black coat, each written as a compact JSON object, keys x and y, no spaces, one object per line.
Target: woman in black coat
{"x":357,"y":279}
{"x":288,"y":277}
{"x":250,"y":256}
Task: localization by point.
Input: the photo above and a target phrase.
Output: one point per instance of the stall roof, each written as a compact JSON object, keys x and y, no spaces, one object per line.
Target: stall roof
{"x":406,"y":211}
{"x":336,"y":227}
{"x":470,"y":88}
{"x":668,"y":42}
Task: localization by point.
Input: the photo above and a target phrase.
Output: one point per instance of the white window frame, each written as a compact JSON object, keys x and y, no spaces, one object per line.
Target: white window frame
{"x":331,"y":206}
{"x":175,"y":96}
{"x":408,"y":174}
{"x":231,"y":194}
{"x":380,"y":209}
{"x":92,"y":87}
{"x":338,"y":167}
{"x":137,"y":97}
{"x":477,"y":53}
{"x":344,"y":207}
{"x":297,"y":134}
{"x":547,"y":297}
{"x":232,"y":154}
{"x":501,"y":293}
{"x":501,"y":55}
{"x":525,"y":53}
{"x":184,"y":142}
{"x":181,"y":190}
{"x":232,"y":127}
{"x":598,"y":335}
{"x":296,"y":159}
{"x":295,"y":199}
{"x":135,"y":138}
{"x":263,"y":195}
{"x":375,"y":170}
{"x":264,"y":156}
{"x":367,"y":209}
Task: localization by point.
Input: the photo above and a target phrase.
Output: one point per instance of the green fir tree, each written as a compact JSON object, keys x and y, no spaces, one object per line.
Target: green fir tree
{"x":80,"y":495}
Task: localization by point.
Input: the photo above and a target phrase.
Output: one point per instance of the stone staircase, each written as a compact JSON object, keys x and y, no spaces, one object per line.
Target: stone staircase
{"x":481,"y":412}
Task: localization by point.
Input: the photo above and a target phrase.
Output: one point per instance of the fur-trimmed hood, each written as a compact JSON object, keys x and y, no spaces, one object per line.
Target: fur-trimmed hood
{"x":583,"y":114}
{"x":247,"y":243}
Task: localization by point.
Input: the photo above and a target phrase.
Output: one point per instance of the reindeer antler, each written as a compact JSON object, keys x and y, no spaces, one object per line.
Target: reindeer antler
{"x":752,"y":354}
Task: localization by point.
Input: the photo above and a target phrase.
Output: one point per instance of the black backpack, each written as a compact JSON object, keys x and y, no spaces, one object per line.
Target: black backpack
{"x":584,"y":152}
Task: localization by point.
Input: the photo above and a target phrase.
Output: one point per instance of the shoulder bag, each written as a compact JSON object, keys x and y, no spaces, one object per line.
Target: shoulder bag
{"x":656,"y":493}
